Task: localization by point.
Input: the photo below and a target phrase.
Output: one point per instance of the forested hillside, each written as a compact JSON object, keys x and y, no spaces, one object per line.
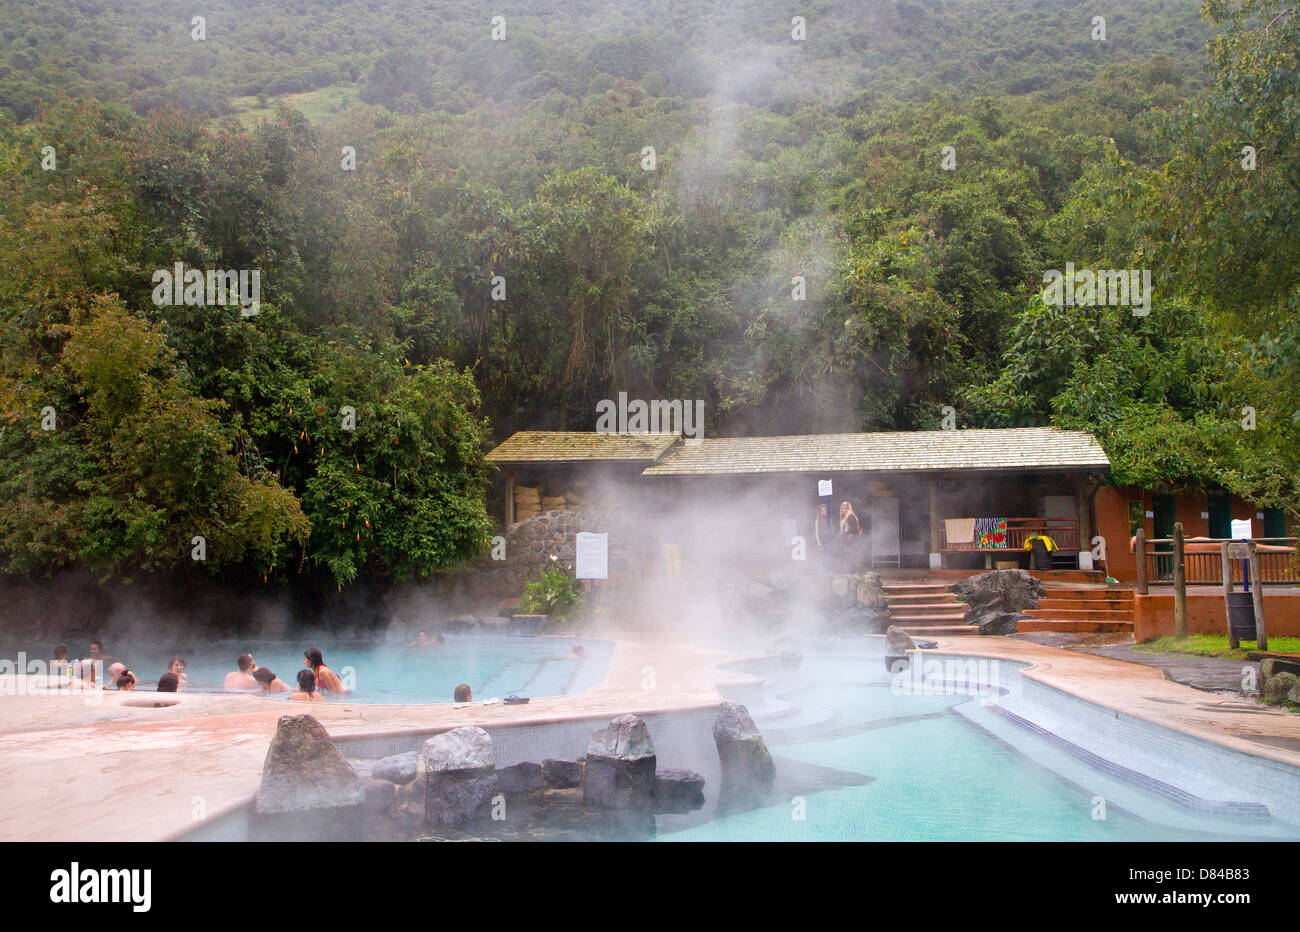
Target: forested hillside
{"x":665,"y":273}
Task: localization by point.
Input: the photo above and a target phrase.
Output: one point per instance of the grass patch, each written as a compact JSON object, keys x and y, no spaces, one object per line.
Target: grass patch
{"x":1214,"y":645}
{"x":315,"y":105}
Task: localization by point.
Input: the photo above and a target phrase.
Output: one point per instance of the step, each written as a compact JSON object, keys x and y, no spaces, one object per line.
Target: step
{"x":1125,"y":595}
{"x":913,"y":611}
{"x":1042,"y":625}
{"x":921,"y":597}
{"x":1088,"y":604}
{"x":910,"y":588}
{"x":947,"y":631}
{"x":925,"y":620}
{"x":1072,"y":614}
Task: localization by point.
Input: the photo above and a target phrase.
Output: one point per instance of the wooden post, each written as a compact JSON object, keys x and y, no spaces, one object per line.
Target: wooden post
{"x":936,"y":538}
{"x":1180,"y":584}
{"x":510,"y":498}
{"x":1140,"y":549}
{"x":1226,"y":562}
{"x":1257,"y":594}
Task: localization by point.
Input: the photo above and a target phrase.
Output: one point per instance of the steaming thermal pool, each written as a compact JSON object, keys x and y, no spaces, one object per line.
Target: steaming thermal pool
{"x":859,"y":758}
{"x":491,"y":666}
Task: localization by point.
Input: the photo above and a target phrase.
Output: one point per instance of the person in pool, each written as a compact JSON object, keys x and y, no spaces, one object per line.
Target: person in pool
{"x":243,"y":677}
{"x":421,"y":640}
{"x":176,"y":667}
{"x":114,"y":671}
{"x":576,"y":652}
{"x":327,"y":681}
{"x":126,"y":682}
{"x":168,"y":683}
{"x":307,"y":688}
{"x":462,"y":694}
{"x":271,"y":683}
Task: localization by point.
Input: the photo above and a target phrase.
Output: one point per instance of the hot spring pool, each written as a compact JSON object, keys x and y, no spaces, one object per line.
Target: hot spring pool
{"x":491,"y":666}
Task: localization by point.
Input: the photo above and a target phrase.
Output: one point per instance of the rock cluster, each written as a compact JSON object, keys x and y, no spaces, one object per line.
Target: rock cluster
{"x":833,"y":604}
{"x":1279,"y":678}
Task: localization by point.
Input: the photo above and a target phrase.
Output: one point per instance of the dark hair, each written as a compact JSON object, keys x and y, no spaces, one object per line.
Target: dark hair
{"x":126,"y":679}
{"x":168,"y":682}
{"x":314,"y":657}
{"x":97,"y":643}
{"x":307,"y":681}
{"x":61,"y":652}
{"x":462,"y":694}
{"x":265,"y":676}
{"x":245,"y":661}
{"x":174,"y":660}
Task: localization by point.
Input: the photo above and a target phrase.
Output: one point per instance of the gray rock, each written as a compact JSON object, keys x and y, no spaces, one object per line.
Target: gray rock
{"x":1278,"y":685}
{"x":678,"y":790}
{"x":1000,"y":590}
{"x":992,"y":621}
{"x":898,"y":642}
{"x":399,"y":768}
{"x":380,"y":795}
{"x":747,"y":768}
{"x":309,"y":791}
{"x":361,"y":767}
{"x":620,"y":766}
{"x":1293,"y":695}
{"x":525,"y":777}
{"x":527,"y":626}
{"x":1271,"y":666}
{"x":562,"y":774}
{"x":460,"y":776}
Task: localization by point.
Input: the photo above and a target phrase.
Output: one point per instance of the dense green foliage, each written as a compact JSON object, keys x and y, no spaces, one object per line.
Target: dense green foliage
{"x":525,"y":162}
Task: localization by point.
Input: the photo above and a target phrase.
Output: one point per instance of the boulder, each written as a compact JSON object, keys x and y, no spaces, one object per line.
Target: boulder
{"x":620,"y":766}
{"x":747,"y":767}
{"x":1278,"y":685}
{"x":524,"y":777}
{"x":1293,"y":694}
{"x":996,"y":601}
{"x":678,"y":791}
{"x":399,"y":768}
{"x":309,"y":791}
{"x":460,"y":775}
{"x":1271,"y":666}
{"x":409,"y":803}
{"x":869,"y":593}
{"x":562,"y":774}
{"x":380,"y":795}
{"x":898,"y":642}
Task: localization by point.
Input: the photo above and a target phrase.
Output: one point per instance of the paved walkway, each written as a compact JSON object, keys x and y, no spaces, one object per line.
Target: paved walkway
{"x":1212,"y":674}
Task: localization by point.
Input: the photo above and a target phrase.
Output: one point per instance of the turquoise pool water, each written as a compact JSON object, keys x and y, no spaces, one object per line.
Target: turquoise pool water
{"x":857,"y":762}
{"x":491,"y":666}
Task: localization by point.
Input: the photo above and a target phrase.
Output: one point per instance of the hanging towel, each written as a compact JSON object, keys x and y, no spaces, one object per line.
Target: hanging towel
{"x":959,"y":530}
{"x":991,"y":533}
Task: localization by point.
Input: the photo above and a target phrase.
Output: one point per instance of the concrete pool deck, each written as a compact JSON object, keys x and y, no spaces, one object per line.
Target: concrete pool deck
{"x":123,"y":770}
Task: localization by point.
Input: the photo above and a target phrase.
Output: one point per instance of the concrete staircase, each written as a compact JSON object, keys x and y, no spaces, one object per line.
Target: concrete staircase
{"x":927,"y":609}
{"x":1081,"y":610}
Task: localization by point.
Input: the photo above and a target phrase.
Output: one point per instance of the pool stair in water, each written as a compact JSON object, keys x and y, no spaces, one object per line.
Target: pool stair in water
{"x":927,"y":609}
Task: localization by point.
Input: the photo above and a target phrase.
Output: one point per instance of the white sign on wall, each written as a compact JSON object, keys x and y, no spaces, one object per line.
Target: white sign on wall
{"x":591,"y":557}
{"x":823,"y":488}
{"x":1241,"y":529}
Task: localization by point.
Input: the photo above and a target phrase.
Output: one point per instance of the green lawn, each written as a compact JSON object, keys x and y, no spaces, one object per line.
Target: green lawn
{"x":1215,"y":645}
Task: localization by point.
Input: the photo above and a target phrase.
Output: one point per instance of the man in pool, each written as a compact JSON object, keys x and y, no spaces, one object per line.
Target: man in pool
{"x":462,"y":694}
{"x":114,"y":671}
{"x":421,"y":640}
{"x":271,"y":683}
{"x":576,"y":652}
{"x":243,"y":677}
{"x":168,"y":683}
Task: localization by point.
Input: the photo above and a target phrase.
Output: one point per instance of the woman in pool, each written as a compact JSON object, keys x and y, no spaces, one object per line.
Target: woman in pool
{"x":176,"y":666}
{"x":271,"y":683}
{"x":462,"y":694}
{"x":327,"y":681}
{"x":306,"y":688}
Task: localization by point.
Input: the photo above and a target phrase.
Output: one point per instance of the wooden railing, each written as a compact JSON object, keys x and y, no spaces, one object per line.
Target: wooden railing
{"x":1064,"y":531}
{"x":1204,"y":566}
